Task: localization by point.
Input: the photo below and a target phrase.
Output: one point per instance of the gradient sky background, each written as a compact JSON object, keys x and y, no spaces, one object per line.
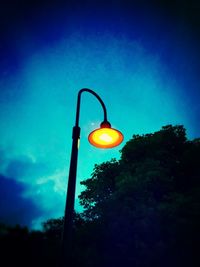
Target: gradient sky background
{"x":141,"y":57}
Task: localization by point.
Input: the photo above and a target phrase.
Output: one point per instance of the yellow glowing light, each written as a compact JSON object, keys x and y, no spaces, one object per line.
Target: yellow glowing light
{"x":105,"y":137}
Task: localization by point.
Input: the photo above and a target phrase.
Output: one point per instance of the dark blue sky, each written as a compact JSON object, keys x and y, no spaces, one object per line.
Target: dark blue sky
{"x":141,"y":57}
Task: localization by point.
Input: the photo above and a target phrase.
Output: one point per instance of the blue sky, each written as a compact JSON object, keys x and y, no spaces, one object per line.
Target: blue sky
{"x":141,"y":59}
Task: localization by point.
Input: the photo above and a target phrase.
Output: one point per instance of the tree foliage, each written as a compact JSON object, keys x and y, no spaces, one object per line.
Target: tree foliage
{"x":147,"y":203}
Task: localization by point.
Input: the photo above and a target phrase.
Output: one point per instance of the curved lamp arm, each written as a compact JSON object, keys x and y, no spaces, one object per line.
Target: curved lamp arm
{"x":79,"y":102}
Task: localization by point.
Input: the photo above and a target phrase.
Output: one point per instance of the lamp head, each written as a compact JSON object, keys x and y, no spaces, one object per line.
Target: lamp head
{"x":105,"y":136}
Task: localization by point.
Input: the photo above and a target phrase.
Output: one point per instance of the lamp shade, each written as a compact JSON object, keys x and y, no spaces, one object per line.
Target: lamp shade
{"x":105,"y":136}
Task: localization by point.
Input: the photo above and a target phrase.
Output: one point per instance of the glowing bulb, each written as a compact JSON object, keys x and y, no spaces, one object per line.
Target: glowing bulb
{"x":105,"y":137}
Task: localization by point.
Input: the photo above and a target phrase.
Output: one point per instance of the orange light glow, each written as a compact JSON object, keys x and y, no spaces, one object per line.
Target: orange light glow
{"x":105,"y":137}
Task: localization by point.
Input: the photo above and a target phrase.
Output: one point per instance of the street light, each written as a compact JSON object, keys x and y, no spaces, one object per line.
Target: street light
{"x":103,"y":137}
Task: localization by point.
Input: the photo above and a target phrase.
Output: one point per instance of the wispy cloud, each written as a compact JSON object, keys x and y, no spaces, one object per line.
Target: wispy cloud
{"x":30,"y":190}
{"x":14,"y":208}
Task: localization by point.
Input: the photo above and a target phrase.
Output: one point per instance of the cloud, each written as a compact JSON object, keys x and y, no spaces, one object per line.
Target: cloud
{"x":26,"y":169}
{"x":30,"y":191}
{"x":49,"y":193}
{"x":3,"y":159}
{"x":14,"y":208}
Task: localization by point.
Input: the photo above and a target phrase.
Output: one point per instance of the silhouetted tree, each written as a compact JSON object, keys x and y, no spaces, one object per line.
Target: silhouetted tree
{"x":147,"y":203}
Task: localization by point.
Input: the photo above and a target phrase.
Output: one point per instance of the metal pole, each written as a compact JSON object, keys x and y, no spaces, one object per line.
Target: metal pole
{"x":69,"y":207}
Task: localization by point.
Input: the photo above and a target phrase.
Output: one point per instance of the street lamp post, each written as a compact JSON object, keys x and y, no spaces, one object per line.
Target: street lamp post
{"x":104,"y":137}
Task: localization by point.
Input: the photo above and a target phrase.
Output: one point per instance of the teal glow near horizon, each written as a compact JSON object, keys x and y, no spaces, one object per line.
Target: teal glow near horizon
{"x":140,"y":91}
